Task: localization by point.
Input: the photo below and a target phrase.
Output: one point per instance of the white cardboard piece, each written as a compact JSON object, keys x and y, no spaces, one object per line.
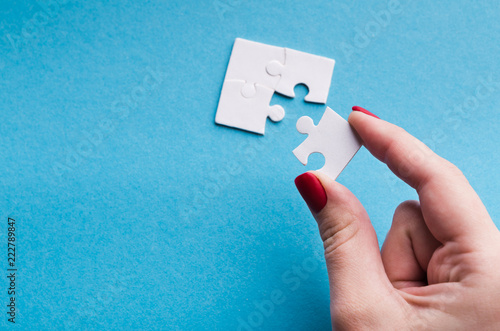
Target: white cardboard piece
{"x":248,"y":62}
{"x":303,"y":68}
{"x":259,"y":70}
{"x":333,"y":137}
{"x":250,"y":114}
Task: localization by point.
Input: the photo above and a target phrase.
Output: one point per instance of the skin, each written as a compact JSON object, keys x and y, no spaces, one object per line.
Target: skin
{"x":439,"y":267}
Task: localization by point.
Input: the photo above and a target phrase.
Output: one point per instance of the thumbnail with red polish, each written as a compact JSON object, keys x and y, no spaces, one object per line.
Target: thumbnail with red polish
{"x":312,"y":191}
{"x":357,"y":108}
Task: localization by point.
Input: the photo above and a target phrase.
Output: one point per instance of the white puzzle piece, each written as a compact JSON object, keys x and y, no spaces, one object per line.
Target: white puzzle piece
{"x":303,"y":68}
{"x":249,"y":60}
{"x":250,"y":114}
{"x":260,"y":70}
{"x":333,"y":137}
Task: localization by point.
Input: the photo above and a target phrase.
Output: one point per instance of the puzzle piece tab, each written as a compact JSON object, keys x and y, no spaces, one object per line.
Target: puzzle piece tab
{"x":333,"y":137}
{"x":303,"y":68}
{"x":249,"y":60}
{"x":250,"y":114}
{"x":260,"y":70}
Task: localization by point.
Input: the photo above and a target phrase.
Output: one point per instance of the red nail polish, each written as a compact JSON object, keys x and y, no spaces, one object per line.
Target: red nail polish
{"x":357,"y":108}
{"x":312,"y":191}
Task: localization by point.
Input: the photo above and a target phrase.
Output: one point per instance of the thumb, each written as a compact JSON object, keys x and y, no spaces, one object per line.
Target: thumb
{"x":355,"y":269}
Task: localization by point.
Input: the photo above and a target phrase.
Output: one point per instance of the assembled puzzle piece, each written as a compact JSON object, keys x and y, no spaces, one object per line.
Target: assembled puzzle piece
{"x":303,"y":68}
{"x":248,"y":62}
{"x":260,"y":70}
{"x":333,"y":137}
{"x":250,"y":114}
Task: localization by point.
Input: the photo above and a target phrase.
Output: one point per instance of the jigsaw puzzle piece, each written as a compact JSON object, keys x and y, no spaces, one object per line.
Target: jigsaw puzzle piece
{"x":303,"y":68}
{"x":249,"y":114}
{"x":333,"y":137}
{"x":248,"y":62}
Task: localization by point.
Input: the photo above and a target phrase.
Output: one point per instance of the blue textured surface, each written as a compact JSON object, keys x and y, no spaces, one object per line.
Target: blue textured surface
{"x":148,"y":215}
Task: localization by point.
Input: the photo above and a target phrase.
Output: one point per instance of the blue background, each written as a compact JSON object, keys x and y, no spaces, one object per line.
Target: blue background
{"x":170,"y":221}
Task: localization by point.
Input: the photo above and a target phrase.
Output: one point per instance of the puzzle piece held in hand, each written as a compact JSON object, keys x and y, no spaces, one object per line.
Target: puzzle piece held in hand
{"x":333,"y":137}
{"x":250,"y":114}
{"x":303,"y":68}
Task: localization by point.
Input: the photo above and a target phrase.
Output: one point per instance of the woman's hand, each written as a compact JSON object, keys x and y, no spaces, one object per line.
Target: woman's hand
{"x":439,"y":267}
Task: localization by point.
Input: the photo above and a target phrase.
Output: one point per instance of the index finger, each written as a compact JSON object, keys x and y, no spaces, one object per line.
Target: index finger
{"x":451,"y":208}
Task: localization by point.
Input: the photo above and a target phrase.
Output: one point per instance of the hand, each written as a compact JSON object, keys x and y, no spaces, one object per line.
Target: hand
{"x":439,"y":267}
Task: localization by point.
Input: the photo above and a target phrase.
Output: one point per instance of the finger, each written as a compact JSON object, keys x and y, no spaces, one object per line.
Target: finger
{"x":408,"y":247}
{"x":352,"y":253}
{"x":451,"y":208}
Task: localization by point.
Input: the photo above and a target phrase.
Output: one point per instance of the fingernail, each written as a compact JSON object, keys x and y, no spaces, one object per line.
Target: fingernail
{"x":312,"y":191}
{"x":357,"y":108}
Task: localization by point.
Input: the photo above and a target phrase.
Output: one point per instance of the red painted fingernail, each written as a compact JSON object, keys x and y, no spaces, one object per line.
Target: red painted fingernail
{"x":312,"y":191}
{"x":357,"y":108}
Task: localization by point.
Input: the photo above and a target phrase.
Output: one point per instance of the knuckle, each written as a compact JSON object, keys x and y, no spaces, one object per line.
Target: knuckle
{"x":403,"y":213}
{"x":399,"y":131}
{"x":453,"y":169}
{"x":336,"y":234}
{"x":446,"y":167}
{"x":407,"y":205}
{"x":391,"y":150}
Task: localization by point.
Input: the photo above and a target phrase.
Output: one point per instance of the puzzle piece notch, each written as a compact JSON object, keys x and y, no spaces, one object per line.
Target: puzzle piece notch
{"x":303,"y":68}
{"x":249,"y":60}
{"x":305,"y":125}
{"x":248,"y":90}
{"x":249,"y":114}
{"x":250,"y":65}
{"x":333,"y":137}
